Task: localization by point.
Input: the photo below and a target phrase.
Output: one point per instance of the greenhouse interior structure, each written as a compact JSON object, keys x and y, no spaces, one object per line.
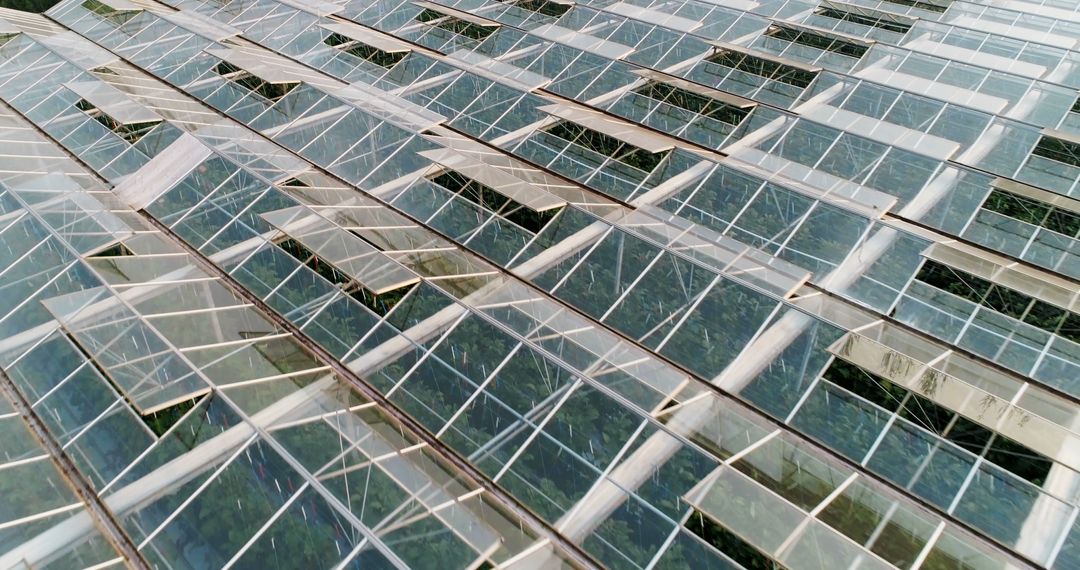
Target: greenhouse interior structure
{"x":530,"y":284}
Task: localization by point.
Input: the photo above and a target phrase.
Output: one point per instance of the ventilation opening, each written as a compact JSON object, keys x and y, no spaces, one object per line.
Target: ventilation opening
{"x":103,"y":70}
{"x":308,"y":258}
{"x":163,"y":420}
{"x":1006,"y":301}
{"x":118,"y":250}
{"x":818,"y":41}
{"x":456,"y":25}
{"x":490,"y":199}
{"x":668,"y":403}
{"x":725,"y":541}
{"x":545,"y":7}
{"x":365,"y":52}
{"x":130,"y":132}
{"x":1063,"y":151}
{"x":954,"y":281}
{"x":160,"y":416}
{"x":867,"y":386}
{"x":270,"y":91}
{"x":865,"y":19}
{"x":693,"y":102}
{"x":294,"y":183}
{"x":951,"y":426}
{"x":108,"y":12}
{"x":608,"y":146}
{"x":762,"y":67}
{"x":921,"y":5}
{"x":380,"y":302}
{"x":1034,"y":212}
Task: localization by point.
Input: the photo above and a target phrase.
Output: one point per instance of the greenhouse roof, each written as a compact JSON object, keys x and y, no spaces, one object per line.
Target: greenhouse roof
{"x":637,"y":284}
